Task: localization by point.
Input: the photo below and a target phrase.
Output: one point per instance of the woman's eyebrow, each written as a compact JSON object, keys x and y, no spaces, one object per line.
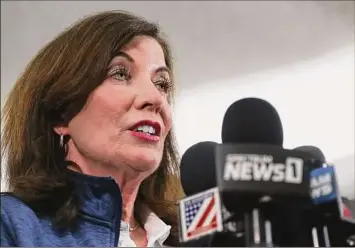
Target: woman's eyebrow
{"x":123,"y":54}
{"x":163,"y":69}
{"x":129,"y":58}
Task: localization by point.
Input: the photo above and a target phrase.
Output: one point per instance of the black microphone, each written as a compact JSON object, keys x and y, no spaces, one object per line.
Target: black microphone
{"x":293,"y":221}
{"x":202,"y":217}
{"x":196,"y":159}
{"x":252,"y":121}
{"x":304,"y":227}
{"x":331,"y":227}
{"x":197,"y":168}
{"x":318,"y":157}
{"x":254,"y":172}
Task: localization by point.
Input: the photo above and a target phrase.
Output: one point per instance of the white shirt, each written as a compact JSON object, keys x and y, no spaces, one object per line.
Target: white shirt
{"x":157,"y":232}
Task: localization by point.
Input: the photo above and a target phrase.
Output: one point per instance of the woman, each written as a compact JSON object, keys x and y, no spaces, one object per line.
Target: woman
{"x":91,"y":156}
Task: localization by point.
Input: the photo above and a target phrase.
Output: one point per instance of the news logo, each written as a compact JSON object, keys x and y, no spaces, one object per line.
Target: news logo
{"x":251,"y":170}
{"x":200,"y":215}
{"x":258,"y":167}
{"x":323,"y":187}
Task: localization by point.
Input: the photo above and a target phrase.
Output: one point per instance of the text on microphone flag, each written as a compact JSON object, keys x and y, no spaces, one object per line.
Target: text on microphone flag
{"x":322,"y":185}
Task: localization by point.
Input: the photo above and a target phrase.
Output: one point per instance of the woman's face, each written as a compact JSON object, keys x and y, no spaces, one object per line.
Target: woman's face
{"x":127,"y":118}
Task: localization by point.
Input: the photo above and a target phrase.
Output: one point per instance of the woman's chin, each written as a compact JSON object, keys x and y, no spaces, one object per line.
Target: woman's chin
{"x":145,"y":159}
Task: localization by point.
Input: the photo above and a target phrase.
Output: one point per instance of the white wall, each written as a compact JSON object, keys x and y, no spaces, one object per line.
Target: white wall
{"x":315,"y":100}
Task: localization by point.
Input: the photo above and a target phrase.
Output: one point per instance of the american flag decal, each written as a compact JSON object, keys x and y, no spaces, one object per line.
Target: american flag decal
{"x":200,"y":214}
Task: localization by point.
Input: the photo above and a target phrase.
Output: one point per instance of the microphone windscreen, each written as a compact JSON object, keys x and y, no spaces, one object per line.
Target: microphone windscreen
{"x":252,"y":120}
{"x":316,"y":153}
{"x":197,"y":168}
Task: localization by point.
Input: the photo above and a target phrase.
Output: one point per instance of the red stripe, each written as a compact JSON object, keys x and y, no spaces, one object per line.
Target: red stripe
{"x":346,"y":212}
{"x":205,"y":214}
{"x":214,"y":220}
{"x":202,"y":229}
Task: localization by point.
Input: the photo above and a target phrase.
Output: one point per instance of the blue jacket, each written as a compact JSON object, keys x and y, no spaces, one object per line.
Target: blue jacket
{"x":99,"y":219}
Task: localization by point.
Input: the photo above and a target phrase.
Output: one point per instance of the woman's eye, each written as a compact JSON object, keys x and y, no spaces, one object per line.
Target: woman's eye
{"x":163,"y":85}
{"x":121,"y":74}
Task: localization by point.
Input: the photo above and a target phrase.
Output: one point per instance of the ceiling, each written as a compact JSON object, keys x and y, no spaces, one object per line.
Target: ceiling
{"x":211,"y":40}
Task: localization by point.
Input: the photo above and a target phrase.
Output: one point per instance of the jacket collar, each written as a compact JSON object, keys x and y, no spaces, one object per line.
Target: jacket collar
{"x":100,"y":197}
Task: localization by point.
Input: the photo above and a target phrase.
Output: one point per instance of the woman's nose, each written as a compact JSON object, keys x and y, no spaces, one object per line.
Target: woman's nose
{"x":149,"y":97}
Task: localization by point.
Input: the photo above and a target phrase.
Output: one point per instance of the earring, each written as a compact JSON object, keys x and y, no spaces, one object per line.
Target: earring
{"x":61,"y":141}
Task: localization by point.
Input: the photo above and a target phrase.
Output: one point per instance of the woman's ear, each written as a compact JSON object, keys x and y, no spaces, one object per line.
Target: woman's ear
{"x":61,"y":130}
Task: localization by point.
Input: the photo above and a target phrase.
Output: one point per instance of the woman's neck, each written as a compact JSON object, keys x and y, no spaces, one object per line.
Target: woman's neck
{"x":129,"y":191}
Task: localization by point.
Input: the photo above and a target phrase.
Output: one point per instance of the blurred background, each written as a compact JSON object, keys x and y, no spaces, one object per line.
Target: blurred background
{"x":298,"y":55}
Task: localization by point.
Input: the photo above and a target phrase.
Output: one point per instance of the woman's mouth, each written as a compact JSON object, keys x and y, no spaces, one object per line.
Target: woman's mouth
{"x":146,"y":130}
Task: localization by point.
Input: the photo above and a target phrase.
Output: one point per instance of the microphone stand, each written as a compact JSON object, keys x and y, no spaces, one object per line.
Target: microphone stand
{"x":320,"y":237}
{"x":257,"y":229}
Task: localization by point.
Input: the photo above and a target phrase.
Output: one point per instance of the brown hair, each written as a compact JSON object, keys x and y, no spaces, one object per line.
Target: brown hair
{"x":52,"y":90}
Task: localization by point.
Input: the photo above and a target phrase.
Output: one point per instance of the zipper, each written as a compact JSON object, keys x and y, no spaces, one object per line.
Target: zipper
{"x":117,"y":232}
{"x":118,"y":220}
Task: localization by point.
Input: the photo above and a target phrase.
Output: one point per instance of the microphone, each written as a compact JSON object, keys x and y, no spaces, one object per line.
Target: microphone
{"x":328,"y":206}
{"x":252,"y":121}
{"x":199,"y":190}
{"x":253,"y":169}
{"x":255,"y":178}
{"x":324,"y":195}
{"x":293,"y":218}
{"x":318,"y":157}
{"x":203,"y":219}
{"x":197,"y":159}
{"x":321,"y":179}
